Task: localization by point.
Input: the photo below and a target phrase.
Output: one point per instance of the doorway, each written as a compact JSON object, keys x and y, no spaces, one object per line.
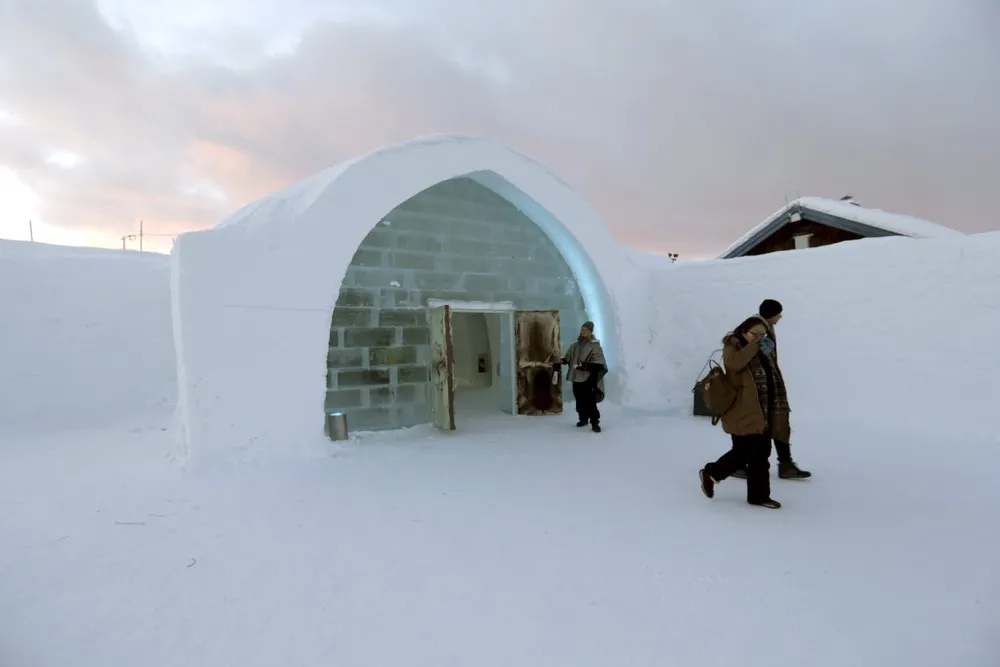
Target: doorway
{"x":488,"y":358}
{"x":481,"y":385}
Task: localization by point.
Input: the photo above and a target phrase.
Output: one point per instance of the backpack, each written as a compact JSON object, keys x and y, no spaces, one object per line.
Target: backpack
{"x":716,"y":391}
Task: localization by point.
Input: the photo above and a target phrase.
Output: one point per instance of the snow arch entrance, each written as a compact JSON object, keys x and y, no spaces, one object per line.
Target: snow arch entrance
{"x":253,"y":298}
{"x":455,"y":241}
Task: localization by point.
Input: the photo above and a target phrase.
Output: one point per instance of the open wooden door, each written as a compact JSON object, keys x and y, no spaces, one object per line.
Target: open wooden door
{"x":506,"y":371}
{"x":442,"y":368}
{"x":536,"y":345}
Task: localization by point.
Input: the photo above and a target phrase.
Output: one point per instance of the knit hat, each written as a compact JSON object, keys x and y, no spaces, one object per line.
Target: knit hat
{"x":769,"y":308}
{"x":588,"y":325}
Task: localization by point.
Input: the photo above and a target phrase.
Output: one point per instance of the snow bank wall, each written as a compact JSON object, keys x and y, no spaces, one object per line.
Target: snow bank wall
{"x":86,"y":336}
{"x":253,"y":297}
{"x":894,"y":331}
{"x":244,"y":340}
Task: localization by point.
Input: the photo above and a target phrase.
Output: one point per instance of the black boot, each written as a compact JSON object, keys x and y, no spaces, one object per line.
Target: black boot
{"x":769,"y":504}
{"x":707,"y":483}
{"x":788,"y":470}
{"x":595,"y":427}
{"x":581,"y":423}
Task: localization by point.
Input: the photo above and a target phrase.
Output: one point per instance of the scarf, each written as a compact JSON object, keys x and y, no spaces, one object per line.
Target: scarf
{"x":763,"y":390}
{"x":780,"y":403}
{"x":773,"y":396}
{"x":780,"y":398}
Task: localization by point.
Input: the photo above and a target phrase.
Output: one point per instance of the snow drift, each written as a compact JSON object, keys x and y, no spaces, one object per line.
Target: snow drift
{"x":886,"y":328}
{"x":86,"y":336}
{"x":891,"y":330}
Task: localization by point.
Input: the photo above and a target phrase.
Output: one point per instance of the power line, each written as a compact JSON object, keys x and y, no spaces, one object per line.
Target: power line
{"x":141,"y":235}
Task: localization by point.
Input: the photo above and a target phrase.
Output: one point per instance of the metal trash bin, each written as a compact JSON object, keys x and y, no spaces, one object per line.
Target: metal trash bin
{"x":336,"y":425}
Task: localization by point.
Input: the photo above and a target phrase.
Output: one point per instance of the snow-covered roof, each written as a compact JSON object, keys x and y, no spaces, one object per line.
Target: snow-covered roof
{"x":843,"y":214}
{"x":292,"y":201}
{"x":333,"y":211}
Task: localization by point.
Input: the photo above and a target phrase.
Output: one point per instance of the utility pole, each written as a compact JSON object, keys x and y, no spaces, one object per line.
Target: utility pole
{"x":140,"y":236}
{"x":31,"y":231}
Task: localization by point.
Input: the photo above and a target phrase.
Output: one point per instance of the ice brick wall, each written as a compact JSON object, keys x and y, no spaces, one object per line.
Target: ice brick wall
{"x":457,"y":241}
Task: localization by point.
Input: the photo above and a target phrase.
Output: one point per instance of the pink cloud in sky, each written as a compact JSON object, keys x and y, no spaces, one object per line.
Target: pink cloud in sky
{"x":684,"y":124}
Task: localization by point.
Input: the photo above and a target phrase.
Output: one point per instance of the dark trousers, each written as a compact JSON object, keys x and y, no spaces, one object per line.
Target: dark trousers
{"x":751,"y":452}
{"x":783,"y":450}
{"x":585,"y":394}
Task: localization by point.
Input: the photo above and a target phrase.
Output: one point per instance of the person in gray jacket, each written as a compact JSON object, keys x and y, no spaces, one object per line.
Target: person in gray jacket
{"x":587,"y":367}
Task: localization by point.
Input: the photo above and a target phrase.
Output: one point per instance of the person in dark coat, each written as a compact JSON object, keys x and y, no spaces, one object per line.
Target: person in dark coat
{"x":586,"y":370}
{"x":748,"y":421}
{"x":770,"y":312}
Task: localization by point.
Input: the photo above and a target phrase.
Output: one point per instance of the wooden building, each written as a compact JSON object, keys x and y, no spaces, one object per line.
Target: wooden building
{"x":811,"y":222}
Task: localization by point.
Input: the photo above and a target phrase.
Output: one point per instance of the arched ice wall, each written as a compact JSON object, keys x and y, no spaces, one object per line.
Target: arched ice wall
{"x":252,"y":298}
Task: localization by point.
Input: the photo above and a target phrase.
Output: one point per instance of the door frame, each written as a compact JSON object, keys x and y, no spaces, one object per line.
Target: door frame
{"x":490,"y":308}
{"x":473,"y":306}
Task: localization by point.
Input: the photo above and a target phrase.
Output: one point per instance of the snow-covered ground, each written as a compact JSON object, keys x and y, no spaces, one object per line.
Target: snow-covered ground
{"x":530,"y":544}
{"x":526,"y":541}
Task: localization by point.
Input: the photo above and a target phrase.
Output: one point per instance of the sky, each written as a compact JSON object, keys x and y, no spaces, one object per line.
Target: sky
{"x":684,"y":122}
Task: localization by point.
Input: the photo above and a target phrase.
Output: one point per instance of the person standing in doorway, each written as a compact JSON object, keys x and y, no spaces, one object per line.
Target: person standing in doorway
{"x":748,"y":420}
{"x":586,"y":369}
{"x":770,"y":312}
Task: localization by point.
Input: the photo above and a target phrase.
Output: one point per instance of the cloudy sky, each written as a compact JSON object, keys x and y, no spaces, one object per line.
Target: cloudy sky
{"x":684,"y":121}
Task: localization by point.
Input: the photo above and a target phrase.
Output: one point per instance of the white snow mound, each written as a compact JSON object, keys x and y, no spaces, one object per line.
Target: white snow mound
{"x":86,"y":337}
{"x":893,"y":331}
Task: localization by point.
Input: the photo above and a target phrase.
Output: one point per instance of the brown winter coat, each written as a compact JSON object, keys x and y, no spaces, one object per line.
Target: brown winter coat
{"x":746,"y":417}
